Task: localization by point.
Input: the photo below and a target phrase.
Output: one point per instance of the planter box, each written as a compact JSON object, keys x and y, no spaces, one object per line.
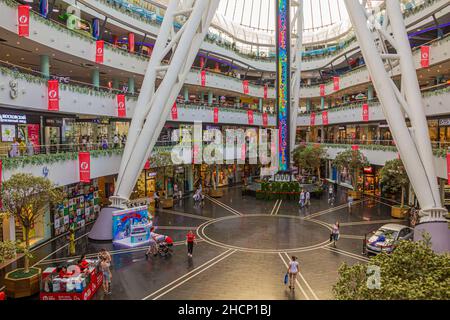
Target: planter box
{"x":217,"y":193}
{"x":22,"y":287}
{"x":399,"y":212}
{"x":167,"y":203}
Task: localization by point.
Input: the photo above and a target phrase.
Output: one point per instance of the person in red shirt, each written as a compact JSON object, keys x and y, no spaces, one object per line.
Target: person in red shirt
{"x":82,"y":263}
{"x":169,"y":241}
{"x":63,"y":273}
{"x":190,"y":240}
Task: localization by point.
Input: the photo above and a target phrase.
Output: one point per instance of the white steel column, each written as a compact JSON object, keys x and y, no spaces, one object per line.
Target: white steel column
{"x":413,"y":143}
{"x":297,"y":21}
{"x":154,"y":106}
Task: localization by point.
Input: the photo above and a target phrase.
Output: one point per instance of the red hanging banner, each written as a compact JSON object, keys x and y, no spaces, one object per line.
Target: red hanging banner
{"x":203,"y":78}
{"x":131,"y":42}
{"x":147,"y":165}
{"x":425,"y":56}
{"x":325,"y":118}
{"x":23,"y":20}
{"x":245,"y":86}
{"x":355,"y":147}
{"x":174,"y":111}
{"x":336,"y":83}
{"x":84,"y":166}
{"x":365,"y":112}
{"x":265,"y":119}
{"x":322,"y":90}
{"x":250,"y":116}
{"x":202,"y":62}
{"x":448,"y":168}
{"x":99,"y":45}
{"x":312,"y":119}
{"x":265,"y":91}
{"x":53,"y":95}
{"x":216,"y":115}
{"x":121,"y":107}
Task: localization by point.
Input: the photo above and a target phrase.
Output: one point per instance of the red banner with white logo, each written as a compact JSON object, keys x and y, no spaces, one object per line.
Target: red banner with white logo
{"x":245,"y":86}
{"x":312,"y":121}
{"x":355,"y":147}
{"x":131,"y":42}
{"x":336,"y":83}
{"x":365,"y":112}
{"x":448,"y":168}
{"x":23,"y":20}
{"x":147,"y":165}
{"x":33,"y":135}
{"x":84,"y":166}
{"x":322,"y":90}
{"x":99,"y":46}
{"x":203,"y":78}
{"x":53,"y":95}
{"x":250,"y":116}
{"x":216,"y":115}
{"x":325,"y":118}
{"x":174,"y":111}
{"x":265,"y":119}
{"x":265,"y":91}
{"x":425,"y":56}
{"x":121,"y":107}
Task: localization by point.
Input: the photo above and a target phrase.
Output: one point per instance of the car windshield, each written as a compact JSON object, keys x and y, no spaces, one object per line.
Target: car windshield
{"x":388,"y":234}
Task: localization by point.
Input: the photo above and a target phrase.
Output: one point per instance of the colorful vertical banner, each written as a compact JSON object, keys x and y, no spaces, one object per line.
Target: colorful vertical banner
{"x":23,"y":20}
{"x":121,"y":106}
{"x":53,"y":95}
{"x":99,"y":46}
{"x":265,"y":91}
{"x":174,"y":111}
{"x":243,"y":151}
{"x":365,"y":112}
{"x":322,"y":90}
{"x":245,"y":86}
{"x":43,"y":8}
{"x":325,"y":118}
{"x":265,"y":119}
{"x":448,"y":168}
{"x":312,"y":119}
{"x":147,"y":165}
{"x":84,"y":166}
{"x":336,"y":83}
{"x":131,"y":42}
{"x":425,"y":56}
{"x":216,"y":115}
{"x":355,"y":147}
{"x":96,"y":28}
{"x":203,"y":78}
{"x":250,"y":116}
{"x":33,"y":135}
{"x":202,"y":62}
{"x":283,"y":44}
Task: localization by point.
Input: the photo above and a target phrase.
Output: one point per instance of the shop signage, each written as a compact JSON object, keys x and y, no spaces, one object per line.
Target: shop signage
{"x":265,"y":91}
{"x":203,"y":78}
{"x":322,"y":90}
{"x":53,"y":122}
{"x":53,"y":95}
{"x":99,"y":49}
{"x":336,"y":83}
{"x":151,"y":174}
{"x":312,"y":121}
{"x":131,"y":42}
{"x":174,"y":111}
{"x":282,"y":177}
{"x":325,"y":118}
{"x":23,"y":20}
{"x":61,"y":79}
{"x":216,"y":115}
{"x":365,"y":112}
{"x":245,"y":86}
{"x":265,"y":119}
{"x":250,"y":116}
{"x":368,"y":170}
{"x":84,"y":166}
{"x":13,"y":118}
{"x":425,"y":56}
{"x":13,"y":89}
{"x":121,"y":106}
{"x":444,"y":122}
{"x":448,"y":168}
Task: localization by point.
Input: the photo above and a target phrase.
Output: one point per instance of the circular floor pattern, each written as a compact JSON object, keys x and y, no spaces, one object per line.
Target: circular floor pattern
{"x":265,"y":233}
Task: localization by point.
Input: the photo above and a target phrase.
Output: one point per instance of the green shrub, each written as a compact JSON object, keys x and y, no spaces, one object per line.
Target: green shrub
{"x":7,"y":250}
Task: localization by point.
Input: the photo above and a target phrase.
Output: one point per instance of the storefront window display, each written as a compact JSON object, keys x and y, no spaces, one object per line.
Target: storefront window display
{"x":371,"y":180}
{"x":146,"y":184}
{"x":444,"y":132}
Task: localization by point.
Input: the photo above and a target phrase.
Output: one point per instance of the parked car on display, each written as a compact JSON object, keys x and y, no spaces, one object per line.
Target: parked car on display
{"x":386,"y":238}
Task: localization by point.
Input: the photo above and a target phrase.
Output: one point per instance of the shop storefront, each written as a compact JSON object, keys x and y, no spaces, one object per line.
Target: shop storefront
{"x":371,"y":180}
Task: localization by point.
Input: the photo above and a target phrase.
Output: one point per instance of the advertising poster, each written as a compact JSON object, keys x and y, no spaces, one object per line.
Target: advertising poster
{"x":8,"y":132}
{"x":33,"y":134}
{"x":131,"y":227}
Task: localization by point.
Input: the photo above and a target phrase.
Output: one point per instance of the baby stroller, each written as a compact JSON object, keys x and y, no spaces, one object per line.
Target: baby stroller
{"x":164,"y":249}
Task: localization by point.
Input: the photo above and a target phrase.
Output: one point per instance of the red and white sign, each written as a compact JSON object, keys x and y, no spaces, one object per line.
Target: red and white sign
{"x":245,"y":86}
{"x":84,"y":166}
{"x":174,"y":111}
{"x":365,"y":112}
{"x":325,"y":118}
{"x":121,"y":106}
{"x":265,"y":119}
{"x":216,"y":115}
{"x":131,"y":42}
{"x":355,"y":147}
{"x":147,"y":165}
{"x":99,"y":46}
{"x":425,"y":56}
{"x":448,"y":167}
{"x":23,"y":20}
{"x":202,"y":62}
{"x":250,"y":116}
{"x":203,"y":78}
{"x":312,"y":121}
{"x":33,"y":135}
{"x":265,"y":91}
{"x":322,"y":90}
{"x":336,"y":83}
{"x":53,"y":95}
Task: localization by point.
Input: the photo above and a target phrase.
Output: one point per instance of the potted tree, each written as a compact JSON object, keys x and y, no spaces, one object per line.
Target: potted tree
{"x":25,"y":198}
{"x":309,"y":158}
{"x":353,"y":161}
{"x":394,"y":179}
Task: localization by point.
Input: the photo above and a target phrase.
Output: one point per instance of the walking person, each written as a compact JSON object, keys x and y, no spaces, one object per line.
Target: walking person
{"x":330,"y":194}
{"x":292,"y":271}
{"x":302,"y":199}
{"x":350,"y":203}
{"x":334,"y":236}
{"x":307,"y":198}
{"x":190,"y":241}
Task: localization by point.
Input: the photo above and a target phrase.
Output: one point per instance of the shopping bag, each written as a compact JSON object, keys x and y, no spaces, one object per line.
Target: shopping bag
{"x":286,"y":278}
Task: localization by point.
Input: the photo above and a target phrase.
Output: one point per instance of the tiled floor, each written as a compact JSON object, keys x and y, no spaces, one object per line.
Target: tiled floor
{"x":243,"y":251}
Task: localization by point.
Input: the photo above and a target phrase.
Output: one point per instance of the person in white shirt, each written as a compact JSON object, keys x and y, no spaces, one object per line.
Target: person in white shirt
{"x":292,"y":271}
{"x":308,"y":198}
{"x":116,"y":141}
{"x":302,"y":199}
